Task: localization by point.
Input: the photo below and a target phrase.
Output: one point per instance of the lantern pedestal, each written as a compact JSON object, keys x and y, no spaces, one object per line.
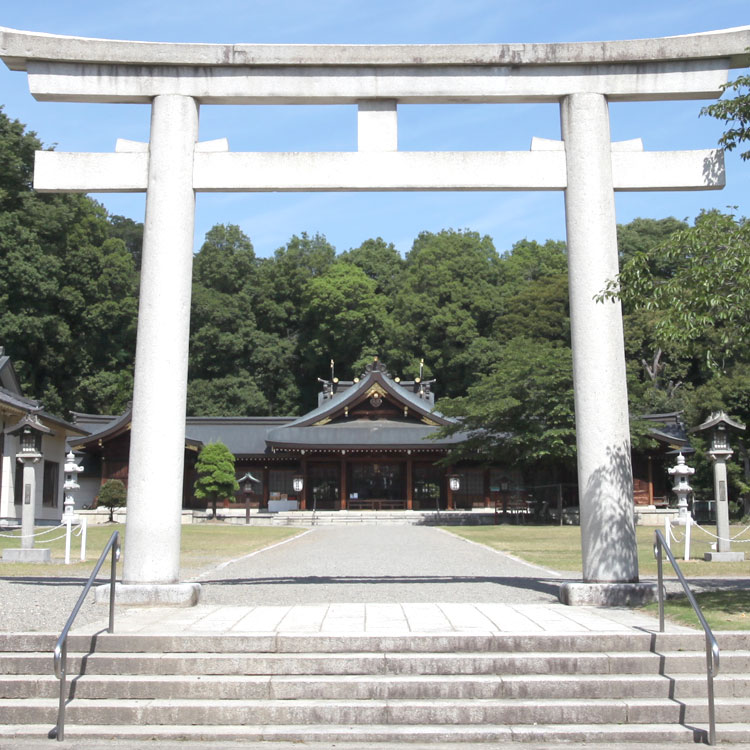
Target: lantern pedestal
{"x":33,"y":555}
{"x":724,"y":556}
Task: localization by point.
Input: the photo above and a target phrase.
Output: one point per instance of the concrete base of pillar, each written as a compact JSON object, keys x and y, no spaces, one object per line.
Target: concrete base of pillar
{"x":724,"y":556}
{"x":151,"y":595}
{"x":27,"y":555}
{"x":608,"y":594}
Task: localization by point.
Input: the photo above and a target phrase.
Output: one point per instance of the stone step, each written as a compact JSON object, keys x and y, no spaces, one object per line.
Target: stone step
{"x":409,"y":643}
{"x":382,"y":687}
{"x":651,"y":735}
{"x":358,"y":663}
{"x":399,"y":712}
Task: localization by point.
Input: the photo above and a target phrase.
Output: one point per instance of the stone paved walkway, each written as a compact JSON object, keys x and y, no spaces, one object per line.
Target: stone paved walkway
{"x":382,"y":619}
{"x":384,"y":580}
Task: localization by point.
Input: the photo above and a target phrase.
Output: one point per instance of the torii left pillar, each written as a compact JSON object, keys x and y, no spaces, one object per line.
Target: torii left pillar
{"x":151,"y":569}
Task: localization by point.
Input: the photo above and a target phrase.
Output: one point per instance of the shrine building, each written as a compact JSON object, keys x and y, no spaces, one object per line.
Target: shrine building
{"x":370,"y":444}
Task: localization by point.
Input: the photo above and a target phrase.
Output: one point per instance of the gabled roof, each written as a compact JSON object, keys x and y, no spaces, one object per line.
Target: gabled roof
{"x":717,"y":418}
{"x":8,"y":378}
{"x":330,"y":426}
{"x":12,"y":400}
{"x":373,"y":380}
{"x":668,"y":429}
{"x":115,"y":428}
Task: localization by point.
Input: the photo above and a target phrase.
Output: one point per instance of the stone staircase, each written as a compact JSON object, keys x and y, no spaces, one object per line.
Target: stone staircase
{"x":378,"y":517}
{"x":597,"y":688}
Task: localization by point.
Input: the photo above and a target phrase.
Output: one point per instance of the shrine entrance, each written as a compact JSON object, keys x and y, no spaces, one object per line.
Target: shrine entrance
{"x":177,"y":79}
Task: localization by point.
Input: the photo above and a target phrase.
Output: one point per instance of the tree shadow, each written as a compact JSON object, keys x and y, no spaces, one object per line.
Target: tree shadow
{"x":713,"y":169}
{"x":608,"y":541}
{"x":540,"y":585}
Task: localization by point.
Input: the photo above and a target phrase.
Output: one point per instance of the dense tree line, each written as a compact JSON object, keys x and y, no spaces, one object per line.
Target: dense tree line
{"x":491,"y":324}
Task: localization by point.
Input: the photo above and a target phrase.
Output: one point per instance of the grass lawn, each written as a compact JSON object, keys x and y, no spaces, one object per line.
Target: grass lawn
{"x":202,"y":546}
{"x":559,"y":548}
{"x":723,"y":610}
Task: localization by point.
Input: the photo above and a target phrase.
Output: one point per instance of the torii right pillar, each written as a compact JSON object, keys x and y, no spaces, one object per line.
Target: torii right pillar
{"x":605,"y":479}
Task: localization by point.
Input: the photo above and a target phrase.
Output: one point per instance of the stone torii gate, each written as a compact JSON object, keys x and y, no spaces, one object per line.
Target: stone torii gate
{"x":176,"y":79}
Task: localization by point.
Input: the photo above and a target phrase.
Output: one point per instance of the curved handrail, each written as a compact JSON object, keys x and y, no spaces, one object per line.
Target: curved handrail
{"x":712,"y":647}
{"x":61,"y":647}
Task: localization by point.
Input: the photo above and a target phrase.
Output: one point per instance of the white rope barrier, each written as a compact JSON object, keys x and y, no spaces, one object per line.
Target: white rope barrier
{"x":70,"y":531}
{"x":29,"y":536}
{"x":722,"y":539}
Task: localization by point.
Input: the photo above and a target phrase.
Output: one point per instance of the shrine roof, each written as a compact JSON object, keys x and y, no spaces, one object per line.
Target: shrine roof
{"x":8,"y":378}
{"x":112,"y":427}
{"x":668,"y":428}
{"x":361,"y":434}
{"x":374,"y":377}
{"x":242,"y":435}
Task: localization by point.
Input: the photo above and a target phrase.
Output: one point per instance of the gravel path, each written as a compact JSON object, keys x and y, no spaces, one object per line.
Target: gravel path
{"x":345,"y":564}
{"x":44,"y":604}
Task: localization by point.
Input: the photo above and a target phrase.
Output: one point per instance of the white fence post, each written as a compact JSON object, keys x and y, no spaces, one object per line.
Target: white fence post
{"x":84,"y":526}
{"x":68,"y":529}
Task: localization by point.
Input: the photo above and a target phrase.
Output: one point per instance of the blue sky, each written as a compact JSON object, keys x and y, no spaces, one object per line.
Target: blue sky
{"x":349,"y":219}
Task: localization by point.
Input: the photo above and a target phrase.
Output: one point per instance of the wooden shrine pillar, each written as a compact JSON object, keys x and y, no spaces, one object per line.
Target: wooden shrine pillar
{"x":266,"y":488}
{"x":409,"y":483}
{"x":343,"y":505}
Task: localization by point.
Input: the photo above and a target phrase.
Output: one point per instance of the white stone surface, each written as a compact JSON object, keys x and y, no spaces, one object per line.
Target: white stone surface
{"x":721,"y":496}
{"x":540,"y":169}
{"x":77,"y":82}
{"x":144,"y":595}
{"x":157,"y":444}
{"x":608,"y":594}
{"x":27,"y":555}
{"x":724,"y":556}
{"x":18,"y":47}
{"x":605,"y":477}
{"x":377,"y":126}
{"x":382,"y":619}
{"x":29,"y":500}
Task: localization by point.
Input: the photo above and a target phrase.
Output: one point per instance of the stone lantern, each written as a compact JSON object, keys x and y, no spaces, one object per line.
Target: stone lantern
{"x":30,"y":432}
{"x":72,"y":470}
{"x":681,"y":487}
{"x":719,"y":424}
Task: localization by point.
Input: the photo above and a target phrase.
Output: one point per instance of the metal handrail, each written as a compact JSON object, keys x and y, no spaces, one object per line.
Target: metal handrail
{"x":712,"y":647}
{"x":61,"y":647}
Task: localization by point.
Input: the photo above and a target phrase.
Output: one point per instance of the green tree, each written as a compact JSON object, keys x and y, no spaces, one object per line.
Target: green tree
{"x":658,"y":376}
{"x":701,"y":298}
{"x":236,"y":367}
{"x":226,"y":396}
{"x":112,"y":495}
{"x":521,"y":411}
{"x":67,"y":287}
{"x":380,"y":261}
{"x":735,"y":112}
{"x":215,"y":469}
{"x":344,"y":319}
{"x":445,"y":307}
